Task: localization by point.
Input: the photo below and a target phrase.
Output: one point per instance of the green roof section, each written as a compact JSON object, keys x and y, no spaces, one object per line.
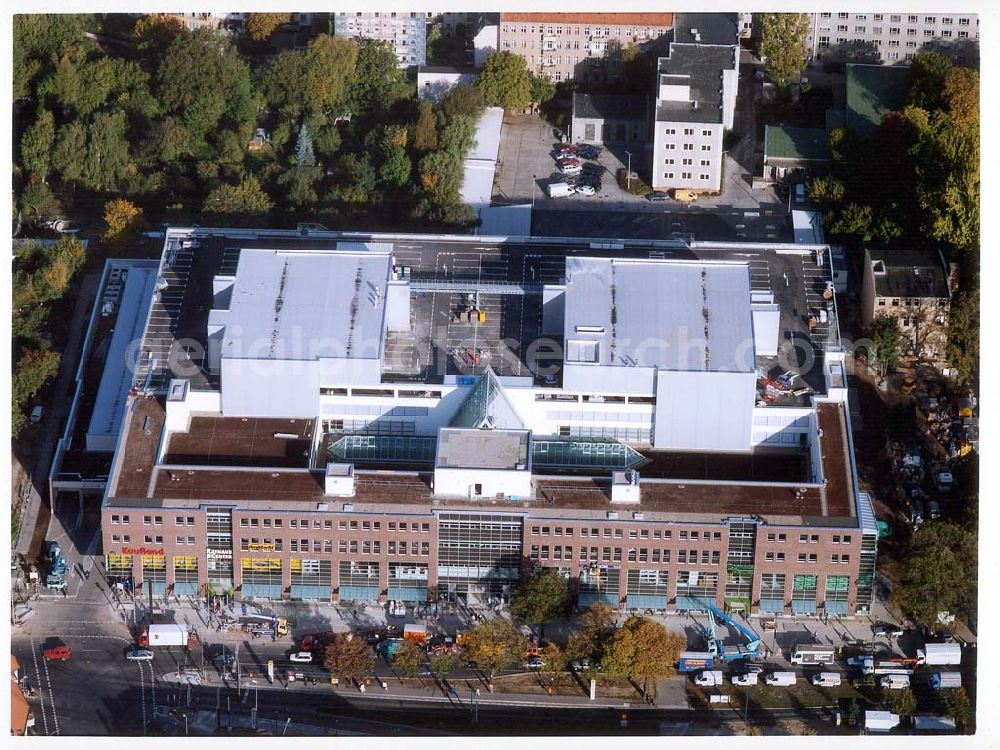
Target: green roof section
{"x":796,"y":144}
{"x":872,"y":91}
{"x":835,"y":118}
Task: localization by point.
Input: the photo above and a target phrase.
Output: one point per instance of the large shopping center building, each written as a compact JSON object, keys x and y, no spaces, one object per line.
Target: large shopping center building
{"x":323,"y":416}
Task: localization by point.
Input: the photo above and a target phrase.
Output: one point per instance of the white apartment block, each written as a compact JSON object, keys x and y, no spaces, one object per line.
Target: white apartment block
{"x":406,"y":31}
{"x":897,"y":36}
{"x":566,"y":46}
{"x":695,"y":102}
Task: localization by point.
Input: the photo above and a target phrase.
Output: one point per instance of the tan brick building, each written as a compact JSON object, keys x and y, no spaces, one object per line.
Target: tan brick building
{"x":581,"y":46}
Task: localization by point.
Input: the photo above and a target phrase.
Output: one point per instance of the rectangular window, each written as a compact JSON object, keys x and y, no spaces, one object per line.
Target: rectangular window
{"x":180,"y":540}
{"x":179,"y":521}
{"x":802,"y":557}
{"x":354,"y":547}
{"x":114,"y":519}
{"x":781,"y":557}
{"x":769,"y":557}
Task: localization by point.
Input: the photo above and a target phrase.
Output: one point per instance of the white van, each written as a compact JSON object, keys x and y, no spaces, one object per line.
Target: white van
{"x":745,"y":679}
{"x":812,"y":654}
{"x":826,"y":679}
{"x":708,"y":678}
{"x":781,"y":679}
{"x":895,"y":681}
{"x":36,"y":415}
{"x":559,"y":190}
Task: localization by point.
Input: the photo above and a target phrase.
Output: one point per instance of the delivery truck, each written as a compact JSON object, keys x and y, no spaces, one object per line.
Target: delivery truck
{"x":945,"y":680}
{"x":812,"y":654}
{"x":165,"y":634}
{"x":934,"y":654}
{"x":694,"y":661}
{"x":709,"y":678}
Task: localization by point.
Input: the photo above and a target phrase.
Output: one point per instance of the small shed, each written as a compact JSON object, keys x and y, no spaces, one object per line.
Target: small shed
{"x":610,"y":118}
{"x":787,"y":148}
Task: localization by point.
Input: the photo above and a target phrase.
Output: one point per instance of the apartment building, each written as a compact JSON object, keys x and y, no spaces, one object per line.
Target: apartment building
{"x":914,"y":287}
{"x":897,"y":37}
{"x":581,"y":46}
{"x":406,"y":31}
{"x":695,"y":102}
{"x":372,"y":418}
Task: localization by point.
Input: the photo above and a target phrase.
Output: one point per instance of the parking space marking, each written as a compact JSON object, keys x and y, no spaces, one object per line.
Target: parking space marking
{"x":41,"y":690}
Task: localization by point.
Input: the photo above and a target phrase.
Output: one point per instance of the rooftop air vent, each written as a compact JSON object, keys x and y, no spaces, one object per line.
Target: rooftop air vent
{"x":612,"y":515}
{"x":638,"y":516}
{"x":322,"y":506}
{"x":348,"y":507}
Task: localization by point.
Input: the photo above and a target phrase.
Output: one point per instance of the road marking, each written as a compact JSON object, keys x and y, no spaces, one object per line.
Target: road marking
{"x":52,"y":701}
{"x":41,"y":692}
{"x":142,"y":695}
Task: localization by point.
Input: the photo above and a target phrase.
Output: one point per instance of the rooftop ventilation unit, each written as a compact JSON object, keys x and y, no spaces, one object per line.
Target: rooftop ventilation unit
{"x":612,"y":515}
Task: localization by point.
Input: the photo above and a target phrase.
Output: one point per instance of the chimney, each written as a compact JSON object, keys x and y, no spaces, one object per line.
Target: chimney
{"x":339,"y":480}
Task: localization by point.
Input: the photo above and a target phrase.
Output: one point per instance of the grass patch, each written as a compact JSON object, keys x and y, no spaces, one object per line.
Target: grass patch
{"x":802,"y":694}
{"x":564,"y":684}
{"x":635,"y":186}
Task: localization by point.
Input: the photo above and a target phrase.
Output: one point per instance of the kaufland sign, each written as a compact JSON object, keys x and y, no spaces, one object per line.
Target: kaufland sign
{"x":146,"y":551}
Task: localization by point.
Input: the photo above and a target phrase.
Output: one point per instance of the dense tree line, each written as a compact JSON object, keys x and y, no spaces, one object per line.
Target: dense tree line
{"x":915,"y":183}
{"x":167,"y":123}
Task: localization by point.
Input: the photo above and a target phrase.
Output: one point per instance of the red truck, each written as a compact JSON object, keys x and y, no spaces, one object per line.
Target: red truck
{"x":315,"y":641}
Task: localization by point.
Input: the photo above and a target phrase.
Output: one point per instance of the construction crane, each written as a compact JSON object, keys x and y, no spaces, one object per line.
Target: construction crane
{"x":728,"y":653}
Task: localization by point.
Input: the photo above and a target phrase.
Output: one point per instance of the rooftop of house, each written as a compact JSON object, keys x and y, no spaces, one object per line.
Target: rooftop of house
{"x":482,"y":449}
{"x":707,"y":28}
{"x":699,"y":67}
{"x":796,"y":144}
{"x":609,"y":106}
{"x":602,"y":19}
{"x":909,"y":273}
{"x":872,"y":91}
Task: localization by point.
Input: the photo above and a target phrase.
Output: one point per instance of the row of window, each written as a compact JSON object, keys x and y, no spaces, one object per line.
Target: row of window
{"x":807,"y":538}
{"x":687,"y":176}
{"x":576,"y":30}
{"x":153,"y":520}
{"x":803,"y":557}
{"x":931,"y":20}
{"x":689,"y":131}
{"x":632,"y":554}
{"x":688,"y":162}
{"x":912,"y":302}
{"x":342,"y":525}
{"x":608,"y":533}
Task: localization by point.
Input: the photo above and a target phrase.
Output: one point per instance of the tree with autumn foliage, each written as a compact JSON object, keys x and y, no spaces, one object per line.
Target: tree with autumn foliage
{"x":348,"y":657}
{"x":260,"y":26}
{"x":642,"y":649}
{"x":495,"y":645}
{"x":123,"y":221}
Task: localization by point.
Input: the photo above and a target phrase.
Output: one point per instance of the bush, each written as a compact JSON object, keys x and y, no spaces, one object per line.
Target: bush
{"x":635,"y":186}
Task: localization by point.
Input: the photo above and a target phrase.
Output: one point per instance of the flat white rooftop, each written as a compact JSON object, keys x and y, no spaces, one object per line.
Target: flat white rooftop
{"x":307,"y":305}
{"x":667,"y":315}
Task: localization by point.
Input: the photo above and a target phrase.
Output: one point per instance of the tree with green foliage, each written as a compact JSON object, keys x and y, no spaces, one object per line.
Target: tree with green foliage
{"x":38,"y":200}
{"x":396,"y":166}
{"x":928,"y":72}
{"x":69,"y":152}
{"x":246,"y":198}
{"x":885,"y":344}
{"x":783,"y":44}
{"x":442,"y":664}
{"x":940,"y":573}
{"x":543,"y":596}
{"x":32,"y":368}
{"x":963,"y":334}
{"x":205,"y":82}
{"x":826,"y":191}
{"x":554,"y":661}
{"x":464,"y":99}
{"x":37,"y":143}
{"x":107,"y":156}
{"x":300,"y":184}
{"x":348,"y":657}
{"x":424,"y":131}
{"x":440,"y":175}
{"x":904,"y":703}
{"x":260,"y":26}
{"x":379,"y":82}
{"x":409,"y":658}
{"x":495,"y":645}
{"x":542,"y":88}
{"x":504,"y":81}
{"x":39,"y":36}
{"x":332,"y":64}
{"x":358,"y":179}
{"x":958,"y":706}
{"x":170,"y":141}
{"x":458,"y":136}
{"x":304,"y":147}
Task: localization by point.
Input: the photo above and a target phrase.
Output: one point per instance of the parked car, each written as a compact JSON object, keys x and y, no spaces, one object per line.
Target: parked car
{"x":584,"y":189}
{"x":745,"y":678}
{"x":826,"y":679}
{"x":534,"y":663}
{"x":138,"y":654}
{"x":568,"y":161}
{"x":859,"y":661}
{"x":57,"y":653}
{"x":301,"y":657}
{"x":594,"y":168}
{"x":570,"y":169}
{"x":895,"y":681}
{"x":580,"y":665}
{"x":36,"y":415}
{"x":657,"y":197}
{"x":887,"y":629}
{"x":708,"y":678}
{"x":781,"y":679}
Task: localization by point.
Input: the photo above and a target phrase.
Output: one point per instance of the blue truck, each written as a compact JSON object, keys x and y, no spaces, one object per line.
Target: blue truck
{"x":695,"y":661}
{"x":55,"y":566}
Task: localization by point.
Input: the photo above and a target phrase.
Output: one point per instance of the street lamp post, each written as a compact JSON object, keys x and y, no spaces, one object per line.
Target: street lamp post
{"x":628,"y":173}
{"x":475,"y":706}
